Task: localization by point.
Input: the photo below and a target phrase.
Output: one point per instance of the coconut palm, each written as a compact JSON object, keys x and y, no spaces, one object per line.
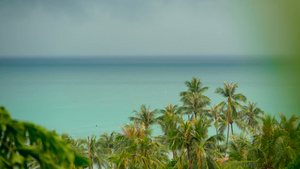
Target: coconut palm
{"x":192,"y":137}
{"x":290,"y":140}
{"x":206,"y":153}
{"x":193,"y":99}
{"x":251,"y":114}
{"x":292,"y":129}
{"x":215,"y":115}
{"x":140,"y":150}
{"x":270,"y":147}
{"x":239,"y":147}
{"x":169,"y":118}
{"x":107,"y":144}
{"x":96,"y":153}
{"x":78,"y":145}
{"x":232,"y":103}
{"x":168,"y":121}
{"x":185,"y":137}
{"x":144,"y":116}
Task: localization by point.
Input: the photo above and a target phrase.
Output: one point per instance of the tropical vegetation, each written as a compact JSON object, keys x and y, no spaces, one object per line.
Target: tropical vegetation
{"x":243,"y":136}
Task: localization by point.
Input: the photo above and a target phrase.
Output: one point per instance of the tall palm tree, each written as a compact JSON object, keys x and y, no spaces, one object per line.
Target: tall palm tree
{"x":291,"y":144}
{"x":232,"y":103}
{"x":169,"y":118}
{"x":96,"y":153}
{"x":192,"y":136}
{"x":193,"y":99}
{"x":107,"y":143}
{"x":251,"y":114}
{"x":292,"y":129}
{"x":168,"y":121}
{"x":144,"y":116}
{"x":205,"y":147}
{"x":215,"y":115}
{"x":185,"y":137}
{"x":272,"y":146}
{"x":240,"y":149}
{"x":140,"y":150}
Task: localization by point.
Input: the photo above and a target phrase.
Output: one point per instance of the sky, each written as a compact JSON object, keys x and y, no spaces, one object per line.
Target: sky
{"x":68,"y":28}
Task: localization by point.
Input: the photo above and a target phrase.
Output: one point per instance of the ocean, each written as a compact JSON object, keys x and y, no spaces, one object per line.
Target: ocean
{"x":95,"y":95}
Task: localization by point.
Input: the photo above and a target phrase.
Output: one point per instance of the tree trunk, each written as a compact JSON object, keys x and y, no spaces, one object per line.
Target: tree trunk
{"x":227,"y":139}
{"x":189,"y":157}
{"x":174,"y":154}
{"x":231,"y":128}
{"x":217,"y":134}
{"x":228,"y":112}
{"x":91,"y":167}
{"x":146,"y":126}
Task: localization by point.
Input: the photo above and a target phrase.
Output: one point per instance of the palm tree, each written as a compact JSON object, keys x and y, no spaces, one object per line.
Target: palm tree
{"x":185,"y":137}
{"x":169,"y":118}
{"x":215,"y":116}
{"x":291,"y":143}
{"x":205,"y":147}
{"x":193,"y":100}
{"x":292,"y":129}
{"x":271,"y":147}
{"x":96,"y":153}
{"x":232,"y":103}
{"x":145,"y":116}
{"x":107,"y":143}
{"x":240,"y":149}
{"x":192,"y":134}
{"x":78,"y":146}
{"x":168,"y":121}
{"x":252,"y":114}
{"x":140,"y":150}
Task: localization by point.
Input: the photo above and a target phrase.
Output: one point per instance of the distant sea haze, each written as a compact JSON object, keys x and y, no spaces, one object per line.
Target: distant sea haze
{"x":144,"y":60}
{"x":82,"y":96}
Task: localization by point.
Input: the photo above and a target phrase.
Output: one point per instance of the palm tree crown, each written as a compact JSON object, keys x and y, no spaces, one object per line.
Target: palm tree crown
{"x":144,"y":116}
{"x":193,"y":99}
{"x":232,"y":103}
{"x":252,"y":114}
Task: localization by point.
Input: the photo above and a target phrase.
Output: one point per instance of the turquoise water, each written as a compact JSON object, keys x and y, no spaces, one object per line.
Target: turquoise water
{"x":75,"y":98}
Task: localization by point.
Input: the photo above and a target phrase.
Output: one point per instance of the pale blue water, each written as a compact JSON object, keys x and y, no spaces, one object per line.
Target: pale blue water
{"x":74,"y":98}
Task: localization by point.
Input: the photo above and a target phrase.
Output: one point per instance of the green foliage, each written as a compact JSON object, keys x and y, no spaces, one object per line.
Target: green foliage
{"x":240,"y":165}
{"x":22,"y":143}
{"x":144,"y":116}
{"x":172,"y":164}
{"x":294,"y":164}
{"x":194,"y":102}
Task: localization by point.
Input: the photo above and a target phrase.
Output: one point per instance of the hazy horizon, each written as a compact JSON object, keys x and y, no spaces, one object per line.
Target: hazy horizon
{"x":63,"y":28}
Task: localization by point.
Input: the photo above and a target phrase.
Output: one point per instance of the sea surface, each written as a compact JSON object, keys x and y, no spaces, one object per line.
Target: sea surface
{"x":91,"y":96}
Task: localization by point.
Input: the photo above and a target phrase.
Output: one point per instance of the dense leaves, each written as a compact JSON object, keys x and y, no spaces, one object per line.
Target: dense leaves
{"x":24,"y":144}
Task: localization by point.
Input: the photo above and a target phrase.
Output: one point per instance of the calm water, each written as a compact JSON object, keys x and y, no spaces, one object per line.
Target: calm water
{"x":74,"y":98}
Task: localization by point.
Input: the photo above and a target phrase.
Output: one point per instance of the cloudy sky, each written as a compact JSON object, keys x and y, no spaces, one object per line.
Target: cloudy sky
{"x":126,"y":28}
